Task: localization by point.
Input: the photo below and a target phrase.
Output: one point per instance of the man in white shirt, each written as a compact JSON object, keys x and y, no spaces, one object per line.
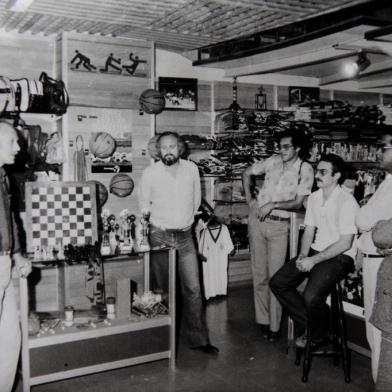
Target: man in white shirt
{"x":170,"y":191}
{"x":326,"y":256}
{"x":378,"y":207}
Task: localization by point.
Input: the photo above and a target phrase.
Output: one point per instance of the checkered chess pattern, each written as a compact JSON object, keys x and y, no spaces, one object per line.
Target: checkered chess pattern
{"x":61,"y":215}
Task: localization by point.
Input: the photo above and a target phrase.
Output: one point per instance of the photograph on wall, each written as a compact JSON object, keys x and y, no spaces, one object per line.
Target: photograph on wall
{"x":303,"y":95}
{"x":180,"y":93}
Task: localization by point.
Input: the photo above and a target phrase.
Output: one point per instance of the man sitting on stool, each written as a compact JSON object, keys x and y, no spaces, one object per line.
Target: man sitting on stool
{"x":326,"y":256}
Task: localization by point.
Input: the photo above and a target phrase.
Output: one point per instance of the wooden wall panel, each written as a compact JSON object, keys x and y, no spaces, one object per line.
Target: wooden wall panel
{"x":283,"y":96}
{"x":25,"y":56}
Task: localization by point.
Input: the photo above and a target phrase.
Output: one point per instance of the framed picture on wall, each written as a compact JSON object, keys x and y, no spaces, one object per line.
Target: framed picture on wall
{"x":180,"y":93}
{"x":298,"y":95}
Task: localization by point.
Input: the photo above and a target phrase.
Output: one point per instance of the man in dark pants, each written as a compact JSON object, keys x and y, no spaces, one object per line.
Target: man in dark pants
{"x":170,"y":191}
{"x":326,"y":256}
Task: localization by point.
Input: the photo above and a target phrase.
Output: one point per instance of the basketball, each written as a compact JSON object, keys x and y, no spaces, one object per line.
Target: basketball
{"x":121,"y":185}
{"x":101,"y":192}
{"x":102,"y":145}
{"x":152,"y":101}
{"x":152,"y":148}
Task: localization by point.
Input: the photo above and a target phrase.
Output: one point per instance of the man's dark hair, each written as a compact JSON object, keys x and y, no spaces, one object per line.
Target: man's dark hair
{"x":338,"y":165}
{"x":182,"y":146}
{"x":299,"y":138}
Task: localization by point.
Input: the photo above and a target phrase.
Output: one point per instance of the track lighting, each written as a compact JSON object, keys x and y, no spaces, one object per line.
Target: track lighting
{"x":353,"y":69}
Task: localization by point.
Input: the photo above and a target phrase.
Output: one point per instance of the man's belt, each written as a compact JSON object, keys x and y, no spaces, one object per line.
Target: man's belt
{"x":5,"y":252}
{"x":277,"y":218}
{"x":372,"y":255}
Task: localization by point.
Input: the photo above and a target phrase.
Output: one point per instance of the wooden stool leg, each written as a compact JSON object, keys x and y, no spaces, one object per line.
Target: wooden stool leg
{"x":345,"y":352}
{"x":307,"y":358}
{"x":335,"y":327}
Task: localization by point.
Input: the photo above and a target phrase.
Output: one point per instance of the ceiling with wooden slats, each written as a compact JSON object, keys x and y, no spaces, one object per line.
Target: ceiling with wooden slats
{"x":178,"y":25}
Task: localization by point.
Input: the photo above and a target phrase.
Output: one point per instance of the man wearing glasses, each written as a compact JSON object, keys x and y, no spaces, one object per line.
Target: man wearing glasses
{"x":378,"y":207}
{"x":326,"y":256}
{"x":288,"y":179}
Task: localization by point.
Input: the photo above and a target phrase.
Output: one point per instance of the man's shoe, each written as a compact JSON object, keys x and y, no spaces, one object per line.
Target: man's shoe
{"x":301,"y":341}
{"x":265,"y":331}
{"x":207,"y":348}
{"x":274,"y":336}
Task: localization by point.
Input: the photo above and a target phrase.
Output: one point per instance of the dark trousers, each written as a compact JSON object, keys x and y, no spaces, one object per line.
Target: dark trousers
{"x":193,"y":310}
{"x":310,"y":308}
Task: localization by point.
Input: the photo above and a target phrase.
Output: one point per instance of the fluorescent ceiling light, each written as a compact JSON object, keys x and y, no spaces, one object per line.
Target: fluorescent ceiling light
{"x":19,"y":5}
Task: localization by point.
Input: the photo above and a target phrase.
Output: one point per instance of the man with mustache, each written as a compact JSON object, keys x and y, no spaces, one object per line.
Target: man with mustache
{"x":170,"y":191}
{"x":326,"y":256}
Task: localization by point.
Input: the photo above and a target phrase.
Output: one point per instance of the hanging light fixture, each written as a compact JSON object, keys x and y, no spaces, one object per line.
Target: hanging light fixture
{"x":353,"y":69}
{"x":234,"y":106}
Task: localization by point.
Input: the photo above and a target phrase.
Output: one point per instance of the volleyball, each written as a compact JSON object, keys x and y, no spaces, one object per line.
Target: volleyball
{"x":152,"y":101}
{"x":102,"y":145}
{"x":121,"y":185}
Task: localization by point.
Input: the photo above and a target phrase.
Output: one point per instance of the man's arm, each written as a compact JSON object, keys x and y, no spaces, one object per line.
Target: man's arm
{"x":304,"y":189}
{"x":197,"y":188}
{"x":307,"y":240}
{"x":247,"y":183}
{"x":377,"y":208}
{"x":342,"y":245}
{"x":288,"y":205}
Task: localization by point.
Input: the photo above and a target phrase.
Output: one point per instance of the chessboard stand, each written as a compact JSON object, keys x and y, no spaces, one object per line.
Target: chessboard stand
{"x":74,"y":352}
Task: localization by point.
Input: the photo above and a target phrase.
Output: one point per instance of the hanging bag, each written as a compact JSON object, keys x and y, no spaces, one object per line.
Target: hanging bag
{"x":7,"y":95}
{"x":51,"y":96}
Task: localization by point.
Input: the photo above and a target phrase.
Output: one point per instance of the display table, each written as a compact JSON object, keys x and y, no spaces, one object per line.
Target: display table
{"x":103,"y":345}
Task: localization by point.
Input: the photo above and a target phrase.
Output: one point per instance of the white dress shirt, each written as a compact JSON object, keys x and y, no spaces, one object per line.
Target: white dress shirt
{"x":378,"y":207}
{"x":332,"y":218}
{"x":172,"y":199}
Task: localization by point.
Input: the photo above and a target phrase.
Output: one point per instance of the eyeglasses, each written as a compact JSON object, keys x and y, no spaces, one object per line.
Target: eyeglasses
{"x":322,"y":172}
{"x":285,"y":147}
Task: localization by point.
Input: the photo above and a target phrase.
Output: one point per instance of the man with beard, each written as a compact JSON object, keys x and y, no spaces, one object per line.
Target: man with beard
{"x":326,"y":256}
{"x":170,"y":191}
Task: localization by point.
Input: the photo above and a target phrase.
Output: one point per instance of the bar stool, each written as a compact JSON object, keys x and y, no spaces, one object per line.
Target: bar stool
{"x":337,"y":349}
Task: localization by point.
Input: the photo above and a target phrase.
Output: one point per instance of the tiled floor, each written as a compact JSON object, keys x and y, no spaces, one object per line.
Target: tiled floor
{"x":246,"y":363}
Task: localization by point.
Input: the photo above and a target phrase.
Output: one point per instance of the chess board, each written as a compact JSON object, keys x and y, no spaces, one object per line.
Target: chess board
{"x":60,"y":213}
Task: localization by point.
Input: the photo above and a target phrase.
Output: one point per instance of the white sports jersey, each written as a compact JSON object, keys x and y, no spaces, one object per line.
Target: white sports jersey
{"x":215,"y":245}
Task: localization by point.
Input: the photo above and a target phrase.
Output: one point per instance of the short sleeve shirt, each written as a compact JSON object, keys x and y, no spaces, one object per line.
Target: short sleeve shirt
{"x":283,"y":183}
{"x":332,"y":218}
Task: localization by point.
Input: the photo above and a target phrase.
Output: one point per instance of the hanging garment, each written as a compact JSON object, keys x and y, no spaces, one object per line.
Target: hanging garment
{"x":215,"y":245}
